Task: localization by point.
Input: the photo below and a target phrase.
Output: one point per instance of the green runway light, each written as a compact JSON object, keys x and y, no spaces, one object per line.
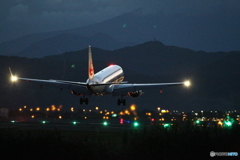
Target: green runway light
{"x":73,"y":66}
{"x":135,"y":124}
{"x":13,"y":121}
{"x":43,"y":122}
{"x":74,"y":122}
{"x":166,"y":125}
{"x":114,"y":115}
{"x":228,"y":123}
{"x":105,"y":123}
{"x":197,"y":122}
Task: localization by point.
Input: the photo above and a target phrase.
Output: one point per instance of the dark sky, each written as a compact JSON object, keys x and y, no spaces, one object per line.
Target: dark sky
{"x":20,"y":17}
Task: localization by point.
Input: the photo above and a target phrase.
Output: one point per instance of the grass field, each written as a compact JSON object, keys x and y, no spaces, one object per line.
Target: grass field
{"x":155,"y":142}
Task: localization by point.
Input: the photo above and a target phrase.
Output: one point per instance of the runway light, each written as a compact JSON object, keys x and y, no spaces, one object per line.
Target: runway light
{"x":166,"y":125}
{"x":105,"y":123}
{"x":187,"y":83}
{"x":114,"y":115}
{"x":74,"y":122}
{"x":43,"y":122}
{"x":135,"y":124}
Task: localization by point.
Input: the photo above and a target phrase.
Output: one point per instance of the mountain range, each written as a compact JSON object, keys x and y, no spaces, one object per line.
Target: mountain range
{"x":214,"y":77}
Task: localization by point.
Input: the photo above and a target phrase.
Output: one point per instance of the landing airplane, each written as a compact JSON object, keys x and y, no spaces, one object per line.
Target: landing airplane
{"x":108,"y":81}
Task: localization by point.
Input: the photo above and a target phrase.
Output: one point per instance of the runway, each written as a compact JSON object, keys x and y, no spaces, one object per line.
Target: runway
{"x":66,"y":126}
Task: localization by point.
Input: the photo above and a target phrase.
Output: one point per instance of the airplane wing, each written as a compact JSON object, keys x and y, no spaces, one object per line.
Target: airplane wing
{"x":80,"y":87}
{"x":123,"y":89}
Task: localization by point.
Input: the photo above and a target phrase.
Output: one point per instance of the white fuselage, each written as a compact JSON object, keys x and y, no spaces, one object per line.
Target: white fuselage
{"x":110,"y":74}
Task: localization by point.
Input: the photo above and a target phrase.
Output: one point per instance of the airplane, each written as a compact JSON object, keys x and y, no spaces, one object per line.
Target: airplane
{"x":108,"y":81}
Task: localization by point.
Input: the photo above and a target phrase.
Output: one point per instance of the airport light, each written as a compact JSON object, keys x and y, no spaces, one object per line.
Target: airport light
{"x":135,"y":124}
{"x":133,"y":107}
{"x":105,"y":123}
{"x":197,"y":122}
{"x":166,"y":125}
{"x":114,"y":115}
{"x":121,"y":120}
{"x":13,"y":121}
{"x":228,"y":123}
{"x":43,"y":122}
{"x":74,"y":122}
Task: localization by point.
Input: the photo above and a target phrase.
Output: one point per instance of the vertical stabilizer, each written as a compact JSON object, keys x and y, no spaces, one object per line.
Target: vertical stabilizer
{"x":90,"y":64}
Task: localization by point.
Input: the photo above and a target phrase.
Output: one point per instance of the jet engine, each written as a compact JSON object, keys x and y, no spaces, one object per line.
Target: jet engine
{"x":135,"y":93}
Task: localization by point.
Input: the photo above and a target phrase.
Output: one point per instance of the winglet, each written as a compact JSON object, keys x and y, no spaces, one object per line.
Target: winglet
{"x":10,"y":72}
{"x":90,"y":64}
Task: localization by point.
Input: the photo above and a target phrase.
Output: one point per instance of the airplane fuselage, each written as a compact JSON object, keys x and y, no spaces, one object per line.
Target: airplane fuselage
{"x":110,"y":74}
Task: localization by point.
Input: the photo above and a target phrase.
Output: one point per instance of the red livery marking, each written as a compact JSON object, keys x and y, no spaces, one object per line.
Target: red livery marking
{"x":91,"y":71}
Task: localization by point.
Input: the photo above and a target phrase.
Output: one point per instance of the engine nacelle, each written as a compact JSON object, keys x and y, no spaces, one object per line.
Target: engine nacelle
{"x":136,"y":93}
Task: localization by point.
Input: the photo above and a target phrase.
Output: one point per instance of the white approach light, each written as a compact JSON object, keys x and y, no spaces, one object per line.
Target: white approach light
{"x":187,"y":83}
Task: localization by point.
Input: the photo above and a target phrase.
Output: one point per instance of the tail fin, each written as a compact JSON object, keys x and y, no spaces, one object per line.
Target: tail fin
{"x":90,"y":64}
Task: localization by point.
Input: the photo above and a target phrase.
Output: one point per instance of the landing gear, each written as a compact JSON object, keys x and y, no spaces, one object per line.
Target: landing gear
{"x":123,"y":101}
{"x":84,"y":100}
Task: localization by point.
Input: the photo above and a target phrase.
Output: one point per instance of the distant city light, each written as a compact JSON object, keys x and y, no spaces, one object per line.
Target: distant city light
{"x":133,"y":107}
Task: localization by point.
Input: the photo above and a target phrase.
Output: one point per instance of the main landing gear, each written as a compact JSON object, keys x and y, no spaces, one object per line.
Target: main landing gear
{"x":123,"y":101}
{"x":84,"y":100}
